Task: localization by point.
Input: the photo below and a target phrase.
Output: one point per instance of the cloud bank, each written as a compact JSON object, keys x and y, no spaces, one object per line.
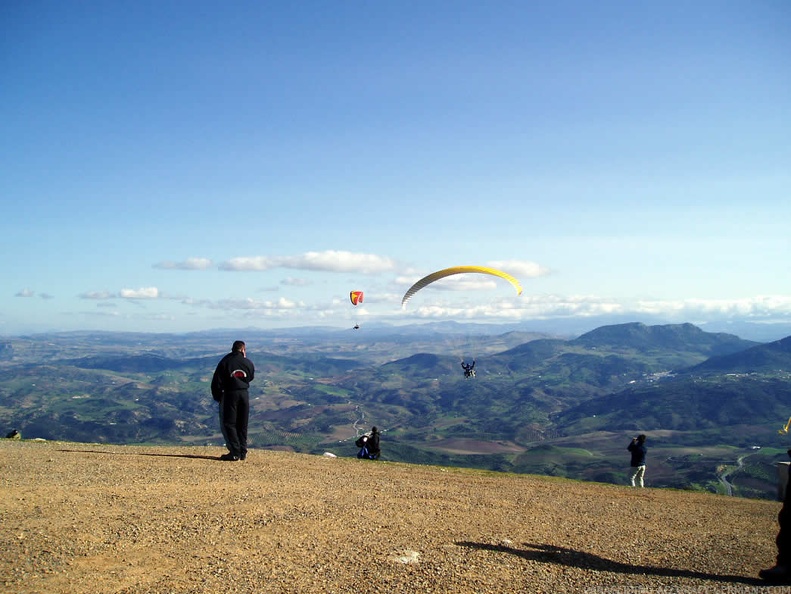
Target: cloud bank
{"x":188,"y":264}
{"x":144,"y":293}
{"x":327,"y":261}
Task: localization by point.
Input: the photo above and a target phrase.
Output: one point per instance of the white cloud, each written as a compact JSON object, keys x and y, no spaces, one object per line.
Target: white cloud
{"x":117,"y":315}
{"x":327,"y":261}
{"x":340,"y":261}
{"x":521,"y":269}
{"x":142,"y":293}
{"x":188,"y":264}
{"x":25,"y":293}
{"x":255,"y":263}
{"x":99,"y":295}
{"x":544,"y":307}
{"x":296,"y":282}
{"x":256,"y":304}
{"x":521,"y":308}
{"x":101,"y":314}
{"x":751,"y":307}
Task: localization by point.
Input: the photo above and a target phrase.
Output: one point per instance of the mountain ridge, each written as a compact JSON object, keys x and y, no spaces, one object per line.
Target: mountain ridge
{"x":316,"y":393}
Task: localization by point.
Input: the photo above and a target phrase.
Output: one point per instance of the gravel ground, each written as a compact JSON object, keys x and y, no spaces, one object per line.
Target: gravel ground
{"x":126,"y":519}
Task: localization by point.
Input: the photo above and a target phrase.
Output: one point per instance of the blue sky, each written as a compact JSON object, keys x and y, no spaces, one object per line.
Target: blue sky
{"x":173,"y":166}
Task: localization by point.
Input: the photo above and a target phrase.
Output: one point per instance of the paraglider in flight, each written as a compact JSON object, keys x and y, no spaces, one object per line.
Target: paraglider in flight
{"x":434,"y":276}
{"x":356,"y":297}
{"x":469,"y":369}
{"x":784,"y":430}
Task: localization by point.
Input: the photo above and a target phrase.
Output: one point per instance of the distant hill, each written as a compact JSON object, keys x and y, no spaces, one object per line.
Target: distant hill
{"x":130,"y":364}
{"x":319,"y":389}
{"x":423,"y":364}
{"x":612,"y":350}
{"x":678,"y":337}
{"x":739,"y":399}
{"x":744,"y":387}
{"x":772,"y":357}
{"x":267,"y":363}
{"x":687,"y":404}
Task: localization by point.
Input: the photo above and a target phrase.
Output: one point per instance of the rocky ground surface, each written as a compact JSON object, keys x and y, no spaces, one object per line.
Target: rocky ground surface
{"x":99,"y":519}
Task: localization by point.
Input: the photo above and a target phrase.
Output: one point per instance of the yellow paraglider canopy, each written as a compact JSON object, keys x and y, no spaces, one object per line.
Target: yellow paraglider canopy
{"x":434,"y":276}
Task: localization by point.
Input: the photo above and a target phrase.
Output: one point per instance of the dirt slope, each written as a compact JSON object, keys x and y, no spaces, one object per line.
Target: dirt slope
{"x":94,"y":518}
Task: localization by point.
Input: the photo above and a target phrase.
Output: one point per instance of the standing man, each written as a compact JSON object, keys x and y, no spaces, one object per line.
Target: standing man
{"x":374,"y":450}
{"x":638,"y":450}
{"x":781,"y":572}
{"x":229,"y":387}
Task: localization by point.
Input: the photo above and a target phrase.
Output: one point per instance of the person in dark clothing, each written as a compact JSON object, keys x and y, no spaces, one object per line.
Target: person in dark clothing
{"x":373,"y":444}
{"x":469,"y":369}
{"x":638,"y":450}
{"x":369,"y":445}
{"x":781,"y":572}
{"x":229,"y":387}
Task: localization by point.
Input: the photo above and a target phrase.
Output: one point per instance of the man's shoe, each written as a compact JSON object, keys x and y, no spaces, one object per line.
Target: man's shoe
{"x":229,"y":458}
{"x":777,"y":574}
{"x":243,"y":457}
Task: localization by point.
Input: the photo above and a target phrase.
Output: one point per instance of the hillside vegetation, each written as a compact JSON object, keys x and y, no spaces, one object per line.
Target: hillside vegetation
{"x":711,"y":403}
{"x":147,"y":520}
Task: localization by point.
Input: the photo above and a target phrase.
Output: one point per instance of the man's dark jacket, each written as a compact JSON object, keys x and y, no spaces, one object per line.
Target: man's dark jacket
{"x":233,"y":374}
{"x":638,"y":451}
{"x":373,"y":444}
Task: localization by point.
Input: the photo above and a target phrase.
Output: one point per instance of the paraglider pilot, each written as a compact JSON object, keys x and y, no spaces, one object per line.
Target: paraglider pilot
{"x":373,"y":444}
{"x":469,"y":370}
{"x":369,"y":445}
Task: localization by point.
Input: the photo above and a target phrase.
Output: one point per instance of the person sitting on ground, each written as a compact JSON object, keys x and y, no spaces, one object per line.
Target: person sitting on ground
{"x":369,"y":445}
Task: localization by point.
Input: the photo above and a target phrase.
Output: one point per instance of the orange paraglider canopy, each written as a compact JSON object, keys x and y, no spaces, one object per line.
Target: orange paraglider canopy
{"x":356,"y":297}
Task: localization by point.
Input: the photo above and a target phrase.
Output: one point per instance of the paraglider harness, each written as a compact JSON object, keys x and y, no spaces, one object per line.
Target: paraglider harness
{"x":469,"y":370}
{"x":364,"y":453}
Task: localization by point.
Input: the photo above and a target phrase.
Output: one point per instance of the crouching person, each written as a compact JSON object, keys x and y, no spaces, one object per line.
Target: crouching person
{"x":369,"y":445}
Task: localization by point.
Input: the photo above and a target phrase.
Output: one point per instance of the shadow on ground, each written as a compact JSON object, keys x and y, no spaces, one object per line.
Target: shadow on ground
{"x":543,"y":553}
{"x":194,"y":456}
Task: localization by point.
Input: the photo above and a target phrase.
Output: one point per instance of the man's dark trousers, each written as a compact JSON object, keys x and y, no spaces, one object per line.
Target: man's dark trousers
{"x":235,"y":415}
